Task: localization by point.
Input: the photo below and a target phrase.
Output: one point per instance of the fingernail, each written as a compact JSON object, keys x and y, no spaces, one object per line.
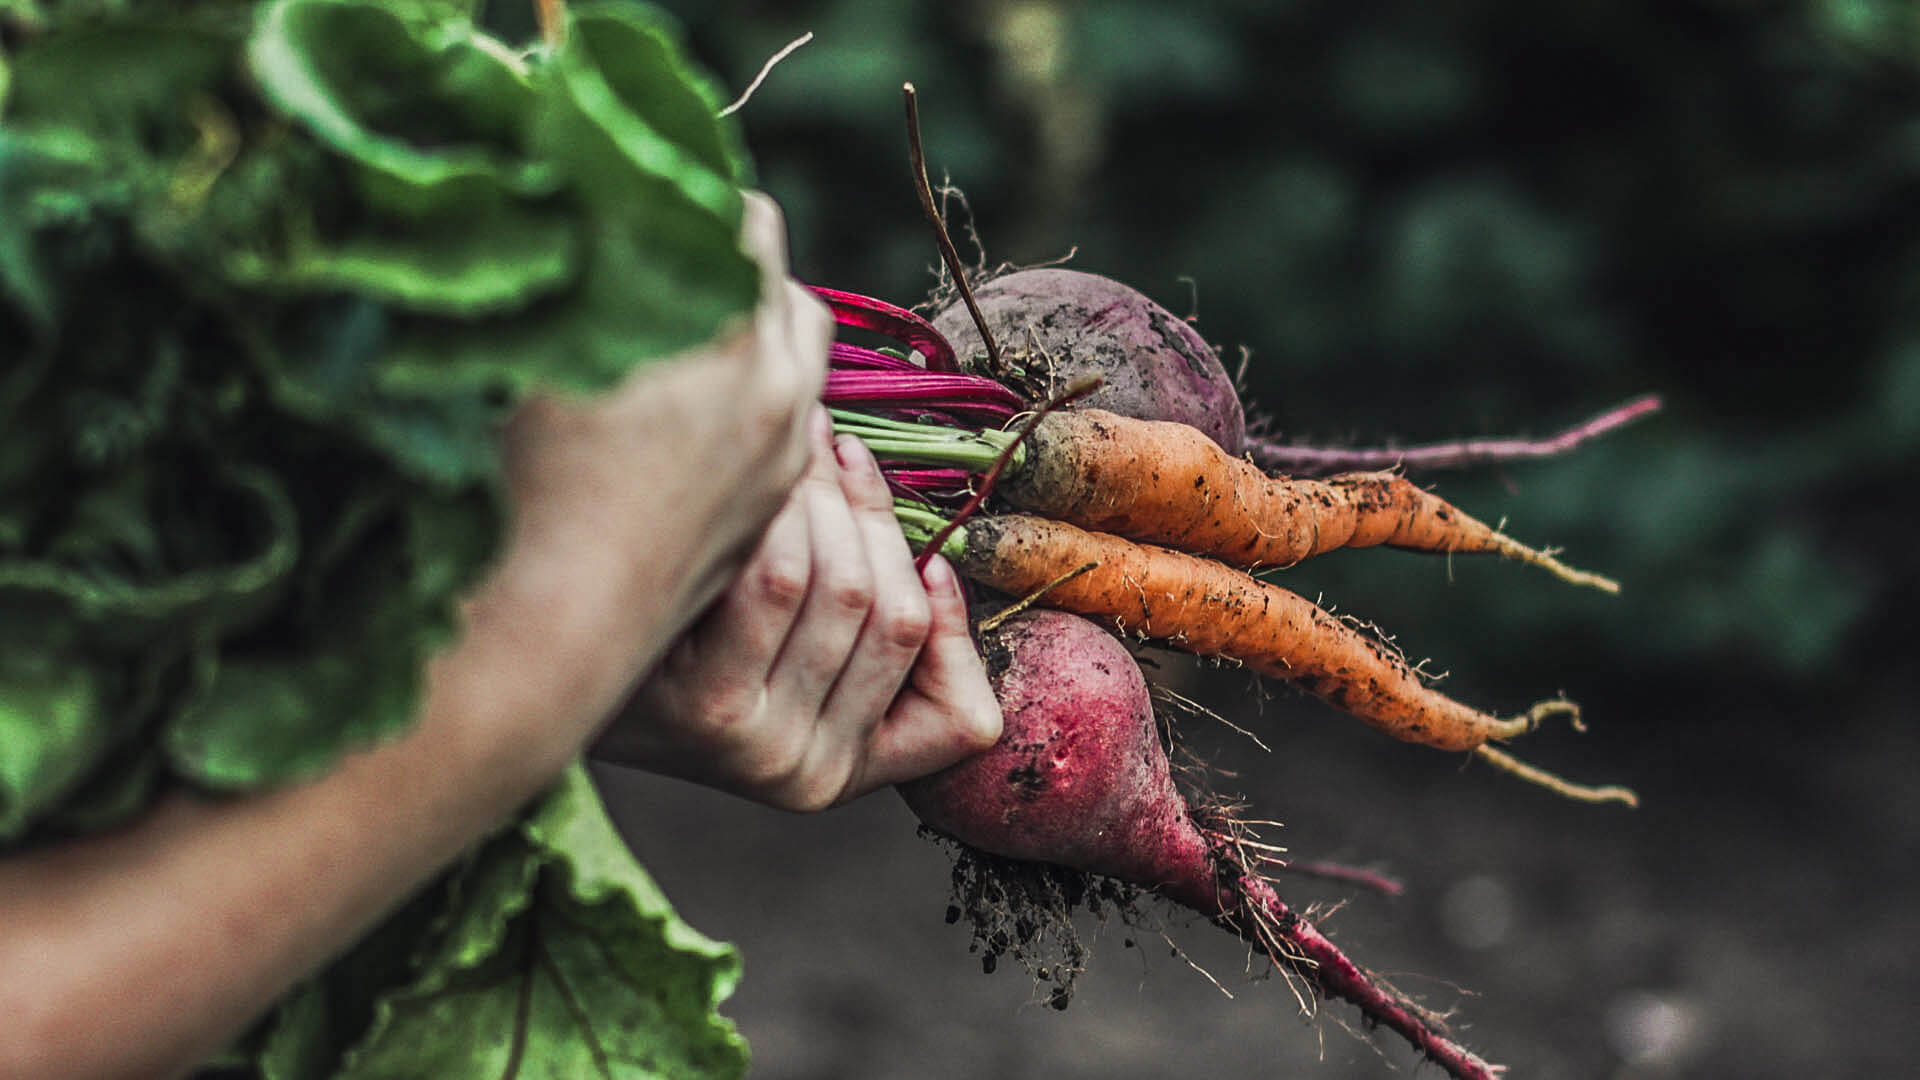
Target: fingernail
{"x":853,"y":454}
{"x":938,"y":577}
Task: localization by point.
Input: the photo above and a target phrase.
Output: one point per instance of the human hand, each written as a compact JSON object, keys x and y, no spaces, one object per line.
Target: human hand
{"x":633,"y":509}
{"x":828,"y":669}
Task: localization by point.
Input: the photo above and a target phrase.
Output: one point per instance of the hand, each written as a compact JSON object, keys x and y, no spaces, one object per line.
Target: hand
{"x":828,"y":669}
{"x":632,"y":510}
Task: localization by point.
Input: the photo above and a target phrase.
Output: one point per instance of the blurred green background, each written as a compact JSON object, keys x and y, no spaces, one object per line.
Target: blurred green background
{"x":1425,"y":221}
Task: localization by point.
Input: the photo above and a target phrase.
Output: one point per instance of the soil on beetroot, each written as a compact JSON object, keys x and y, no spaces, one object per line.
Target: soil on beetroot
{"x":1757,"y":918}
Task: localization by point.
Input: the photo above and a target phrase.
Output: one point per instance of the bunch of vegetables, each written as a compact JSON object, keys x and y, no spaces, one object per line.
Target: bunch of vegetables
{"x":270,"y":277}
{"x":1076,"y":451}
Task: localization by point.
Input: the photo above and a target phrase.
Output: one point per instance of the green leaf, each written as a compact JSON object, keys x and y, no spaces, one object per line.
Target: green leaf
{"x":444,"y":434}
{"x":45,"y":178}
{"x":93,"y":585}
{"x":455,"y":268}
{"x":560,"y":959}
{"x":606,"y":143}
{"x":663,"y":268}
{"x":346,"y":670}
{"x":638,"y":53}
{"x":52,"y":728}
{"x":429,"y":111}
{"x":158,"y":64}
{"x":652,"y":288}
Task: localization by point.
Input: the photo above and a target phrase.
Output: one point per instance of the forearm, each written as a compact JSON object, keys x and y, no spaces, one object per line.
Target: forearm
{"x":137,"y":953}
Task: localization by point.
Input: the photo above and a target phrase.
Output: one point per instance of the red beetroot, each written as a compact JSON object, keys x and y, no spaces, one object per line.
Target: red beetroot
{"x":1080,"y":779}
{"x":1154,"y":366}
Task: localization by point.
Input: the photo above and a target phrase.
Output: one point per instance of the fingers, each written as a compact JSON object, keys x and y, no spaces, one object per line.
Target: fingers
{"x":947,"y":711}
{"x":840,"y":590}
{"x":738,"y":640}
{"x":763,"y":236}
{"x":897,"y":624}
{"x":792,"y":327}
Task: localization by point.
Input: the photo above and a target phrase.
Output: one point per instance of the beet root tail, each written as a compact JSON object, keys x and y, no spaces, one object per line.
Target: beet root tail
{"x":1252,"y":909}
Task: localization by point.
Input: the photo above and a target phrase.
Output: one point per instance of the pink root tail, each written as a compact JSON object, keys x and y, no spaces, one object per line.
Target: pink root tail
{"x":1251,"y":908}
{"x":1277,"y":457}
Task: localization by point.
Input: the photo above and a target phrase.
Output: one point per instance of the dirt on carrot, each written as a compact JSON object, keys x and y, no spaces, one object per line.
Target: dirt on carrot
{"x":1207,"y":608}
{"x":1168,"y":484}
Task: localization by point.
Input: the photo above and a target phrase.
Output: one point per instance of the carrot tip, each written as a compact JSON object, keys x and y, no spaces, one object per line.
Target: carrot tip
{"x":1578,"y":577}
{"x":1539,"y":777}
{"x":1514,"y":549}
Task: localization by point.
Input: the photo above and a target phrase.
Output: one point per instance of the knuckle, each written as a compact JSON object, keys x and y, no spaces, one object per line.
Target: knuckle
{"x":848,"y":594}
{"x":781,"y":583}
{"x":811,"y":791}
{"x":904,"y":624}
{"x":726,"y":716}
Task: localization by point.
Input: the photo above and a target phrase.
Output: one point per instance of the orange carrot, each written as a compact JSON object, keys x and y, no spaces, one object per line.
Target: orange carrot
{"x":1169,"y":484}
{"x":1208,"y":608}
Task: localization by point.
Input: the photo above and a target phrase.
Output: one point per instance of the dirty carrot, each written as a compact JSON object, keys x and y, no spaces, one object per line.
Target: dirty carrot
{"x":1168,"y":484}
{"x":1207,"y":608}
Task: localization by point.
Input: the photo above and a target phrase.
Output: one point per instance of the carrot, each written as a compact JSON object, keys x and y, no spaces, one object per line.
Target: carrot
{"x":1210,"y":609}
{"x":1167,"y":483}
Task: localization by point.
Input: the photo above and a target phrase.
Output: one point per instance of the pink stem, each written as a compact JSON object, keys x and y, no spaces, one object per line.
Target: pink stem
{"x":934,"y":483}
{"x":1240,"y":900}
{"x":1338,"y":976}
{"x":1278,"y":457}
{"x":867,"y":313}
{"x":1280,"y":932}
{"x":842,"y":356}
{"x":928,"y":390}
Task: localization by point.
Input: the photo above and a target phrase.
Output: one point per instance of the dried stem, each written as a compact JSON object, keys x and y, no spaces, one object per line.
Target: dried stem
{"x":924,"y":188}
{"x":552,"y":18}
{"x":993,"y":621}
{"x":765,"y":69}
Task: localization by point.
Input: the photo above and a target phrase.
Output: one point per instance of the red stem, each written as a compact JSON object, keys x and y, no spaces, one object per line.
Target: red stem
{"x":844,"y":357}
{"x":965,"y":395}
{"x":867,"y":313}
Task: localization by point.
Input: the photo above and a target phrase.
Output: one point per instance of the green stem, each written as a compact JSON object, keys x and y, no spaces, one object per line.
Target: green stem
{"x":921,"y":524}
{"x":927,"y":444}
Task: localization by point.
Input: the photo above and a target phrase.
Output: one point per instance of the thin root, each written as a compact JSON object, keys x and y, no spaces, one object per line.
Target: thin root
{"x":1566,"y":789}
{"x":1540,"y":713}
{"x":1514,"y":549}
{"x":1351,"y":875}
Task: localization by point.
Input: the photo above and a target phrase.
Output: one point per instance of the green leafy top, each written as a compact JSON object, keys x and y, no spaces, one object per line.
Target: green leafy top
{"x":265,"y":295}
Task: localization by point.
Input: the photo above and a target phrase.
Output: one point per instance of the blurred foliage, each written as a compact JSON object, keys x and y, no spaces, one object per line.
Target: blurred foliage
{"x":1428,"y":221}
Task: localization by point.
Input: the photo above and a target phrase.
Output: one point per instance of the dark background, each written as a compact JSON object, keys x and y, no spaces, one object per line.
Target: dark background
{"x":1426,"y":221}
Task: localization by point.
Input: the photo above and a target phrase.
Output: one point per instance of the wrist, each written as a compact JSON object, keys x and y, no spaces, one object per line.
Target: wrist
{"x":550,"y":646}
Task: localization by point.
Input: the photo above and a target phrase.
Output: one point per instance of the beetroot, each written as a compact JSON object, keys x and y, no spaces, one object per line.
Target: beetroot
{"x":1080,"y":779}
{"x":1066,"y":323}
